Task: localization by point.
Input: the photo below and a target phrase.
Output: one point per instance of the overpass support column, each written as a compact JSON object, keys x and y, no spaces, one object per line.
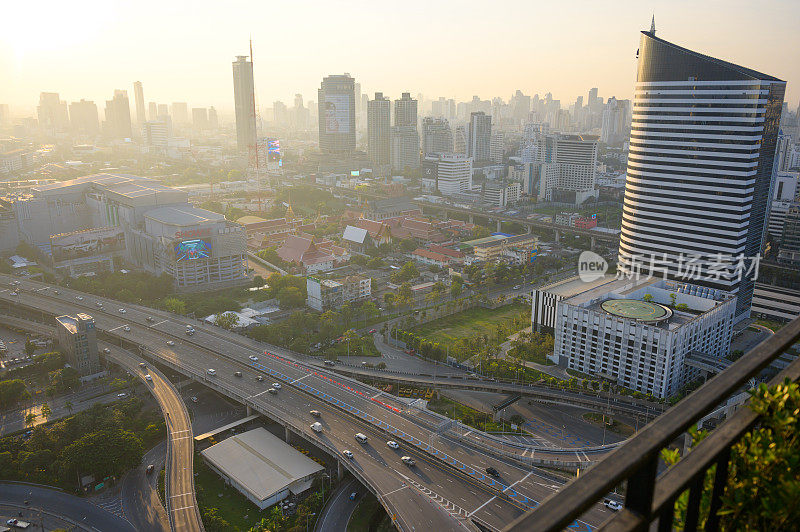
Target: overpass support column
{"x":499,"y":226}
{"x":471,"y":219}
{"x":530,"y":229}
{"x":592,"y":243}
{"x":249,"y":410}
{"x":339,"y":470}
{"x":287,"y":434}
{"x":558,"y":235}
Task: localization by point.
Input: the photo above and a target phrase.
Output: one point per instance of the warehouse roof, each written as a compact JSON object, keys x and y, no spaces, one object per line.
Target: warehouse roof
{"x":260,"y":462}
{"x":183,"y":215}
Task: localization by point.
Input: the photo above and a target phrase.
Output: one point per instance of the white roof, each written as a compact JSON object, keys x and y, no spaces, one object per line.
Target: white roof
{"x":241,"y":320}
{"x":260,"y":462}
{"x":354,"y":234}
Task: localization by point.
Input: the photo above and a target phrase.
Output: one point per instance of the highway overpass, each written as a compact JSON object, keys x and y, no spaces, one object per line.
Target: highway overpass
{"x":448,"y":489}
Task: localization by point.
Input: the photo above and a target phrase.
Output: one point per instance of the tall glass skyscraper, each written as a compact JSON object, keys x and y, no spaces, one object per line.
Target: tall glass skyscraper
{"x":702,"y":145}
{"x":337,"y":114}
{"x":244,"y":103}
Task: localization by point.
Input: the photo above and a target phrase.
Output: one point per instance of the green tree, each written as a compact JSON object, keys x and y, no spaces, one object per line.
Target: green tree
{"x":30,"y":417}
{"x":647,"y":298}
{"x":29,"y":348}
{"x":175,"y":305}
{"x":214,"y":522}
{"x":69,"y":406}
{"x":46,"y":411}
{"x":291,"y":297}
{"x":12,"y":391}
{"x":226,"y":320}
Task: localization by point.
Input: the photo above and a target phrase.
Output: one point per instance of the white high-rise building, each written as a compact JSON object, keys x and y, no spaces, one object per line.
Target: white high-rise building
{"x":138,"y":98}
{"x":784,"y":193}
{"x":452,"y":172}
{"x":497,"y":147}
{"x":379,"y":129}
{"x":702,"y":145}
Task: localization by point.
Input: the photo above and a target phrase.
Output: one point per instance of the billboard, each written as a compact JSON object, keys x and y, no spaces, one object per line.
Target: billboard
{"x":192,"y":249}
{"x":337,"y":113}
{"x":274,"y":149}
{"x":80,"y":244}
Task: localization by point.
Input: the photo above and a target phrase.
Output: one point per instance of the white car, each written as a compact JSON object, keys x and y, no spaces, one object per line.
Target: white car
{"x":121,"y":395}
{"x":612,"y":505}
{"x":276,"y":385}
{"x":170,"y":342}
{"x":407,"y":460}
{"x":106,"y":350}
{"x":126,"y":329}
{"x":148,"y":377}
{"x":348,"y":454}
{"x":122,"y":311}
{"x":79,"y":298}
{"x":211,"y":371}
{"x":14,"y":294}
{"x":392,"y":444}
{"x":98,"y":303}
{"x":253,"y":358}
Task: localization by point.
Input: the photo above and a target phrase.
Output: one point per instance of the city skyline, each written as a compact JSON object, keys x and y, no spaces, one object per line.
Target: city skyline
{"x":570,"y":51}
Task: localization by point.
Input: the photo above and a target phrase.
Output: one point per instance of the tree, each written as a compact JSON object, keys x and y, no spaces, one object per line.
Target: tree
{"x":226,"y":320}
{"x":673,"y":296}
{"x":175,"y":305}
{"x":456,"y":287}
{"x":12,"y":391}
{"x":30,"y":417}
{"x":291,"y":297}
{"x":29,"y":348}
{"x":69,"y":406}
{"x":259,"y":281}
{"x":647,"y":298}
{"x":214,"y":522}
{"x":46,"y":411}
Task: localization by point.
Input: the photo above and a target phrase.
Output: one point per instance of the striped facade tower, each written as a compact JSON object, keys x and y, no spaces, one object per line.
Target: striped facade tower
{"x":699,"y":174}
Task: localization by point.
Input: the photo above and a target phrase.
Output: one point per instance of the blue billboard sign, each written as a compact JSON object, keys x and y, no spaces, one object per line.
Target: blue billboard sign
{"x":192,"y":249}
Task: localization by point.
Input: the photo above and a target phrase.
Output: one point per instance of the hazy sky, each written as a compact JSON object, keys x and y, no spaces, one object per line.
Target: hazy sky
{"x":182,"y":51}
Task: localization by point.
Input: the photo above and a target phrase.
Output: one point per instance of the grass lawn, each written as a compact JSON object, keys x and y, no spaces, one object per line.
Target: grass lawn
{"x":369,"y":515}
{"x":468,"y":323}
{"x":232,"y":506}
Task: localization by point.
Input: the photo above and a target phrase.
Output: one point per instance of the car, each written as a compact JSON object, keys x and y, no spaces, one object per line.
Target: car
{"x":273,"y":391}
{"x":237,"y":374}
{"x":122,"y":311}
{"x":150,"y":469}
{"x":316,"y":427}
{"x":149,"y":318}
{"x":194,"y":399}
{"x":276,"y":385}
{"x":121,"y":395}
{"x":612,"y":505}
{"x":314,"y":413}
{"x":148,"y":378}
{"x":361,"y":437}
{"x":407,"y":460}
{"x":329,"y":362}
{"x":354,"y":496}
{"x":79,"y":298}
{"x":170,"y":342}
{"x":14,"y":294}
{"x":211,"y":371}
{"x":56,"y":292}
{"x":142,"y":365}
{"x":98,"y":303}
{"x":260,"y":378}
{"x":492,"y":471}
{"x":253,"y":358}
{"x":392,"y":444}
{"x":106,"y":350}
{"x":372,"y":331}
{"x":126,"y":329}
{"x":348,"y":454}
{"x":517,"y":287}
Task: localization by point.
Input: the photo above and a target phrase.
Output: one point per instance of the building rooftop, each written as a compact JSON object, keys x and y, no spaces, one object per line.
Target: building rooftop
{"x":574,"y":285}
{"x":183,"y":215}
{"x":260,"y":462}
{"x":356,"y":235}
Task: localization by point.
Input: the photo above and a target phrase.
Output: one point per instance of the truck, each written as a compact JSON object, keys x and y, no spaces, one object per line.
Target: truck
{"x":16,"y":523}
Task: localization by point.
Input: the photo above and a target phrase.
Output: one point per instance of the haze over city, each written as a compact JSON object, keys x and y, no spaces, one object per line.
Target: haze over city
{"x":182,"y":50}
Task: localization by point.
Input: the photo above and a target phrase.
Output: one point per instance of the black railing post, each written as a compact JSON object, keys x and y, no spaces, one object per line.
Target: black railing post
{"x":666,"y":517}
{"x":641,"y":484}
{"x":720,"y":481}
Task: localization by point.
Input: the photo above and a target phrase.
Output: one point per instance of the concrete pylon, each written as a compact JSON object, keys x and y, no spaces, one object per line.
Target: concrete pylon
{"x":287,"y":434}
{"x":499,"y":226}
{"x":339,"y":470}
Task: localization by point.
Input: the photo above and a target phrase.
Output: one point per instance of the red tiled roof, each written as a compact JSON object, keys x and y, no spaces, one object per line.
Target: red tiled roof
{"x":432,"y":255}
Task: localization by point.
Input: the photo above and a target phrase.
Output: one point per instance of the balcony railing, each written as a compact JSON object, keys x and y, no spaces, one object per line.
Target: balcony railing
{"x":650,"y":498}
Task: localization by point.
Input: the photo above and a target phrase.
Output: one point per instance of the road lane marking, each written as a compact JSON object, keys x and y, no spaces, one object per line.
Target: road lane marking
{"x":180,"y":438}
{"x":517,"y":482}
{"x":393,"y":491}
{"x":181,"y":495}
{"x":159,"y":323}
{"x":183,"y":508}
{"x":301,"y":378}
{"x":481,"y":506}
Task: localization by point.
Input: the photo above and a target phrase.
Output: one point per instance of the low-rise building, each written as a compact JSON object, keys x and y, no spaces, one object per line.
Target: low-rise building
{"x":434,"y":258}
{"x":77,"y":338}
{"x":501,"y":194}
{"x":311,"y":254}
{"x":326,"y":294}
{"x":573,"y":219}
{"x":491,"y":249}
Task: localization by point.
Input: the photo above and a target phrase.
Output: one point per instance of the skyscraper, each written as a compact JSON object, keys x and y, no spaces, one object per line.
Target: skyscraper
{"x":180,"y":113}
{"x":118,"y":116}
{"x":213,"y":119}
{"x":405,"y":136}
{"x":138,"y":97}
{"x":480,"y":134}
{"x":436,"y":136}
{"x":702,"y":145}
{"x":152,"y":110}
{"x":379,"y":129}
{"x":337,"y":114}
{"x":244,"y":103}
{"x":52,"y":112}
{"x":405,"y":111}
{"x":199,"y":118}
{"x":83,"y":117}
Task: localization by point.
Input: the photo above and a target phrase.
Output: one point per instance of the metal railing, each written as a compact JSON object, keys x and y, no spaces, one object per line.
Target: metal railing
{"x":650,"y":497}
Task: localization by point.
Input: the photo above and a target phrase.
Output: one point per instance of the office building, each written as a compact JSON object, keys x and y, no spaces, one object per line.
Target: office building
{"x":244,"y":103}
{"x":52,"y":113}
{"x":784,"y":193}
{"x":480,"y":135}
{"x":379,"y":130}
{"x":163,"y":110}
{"x":213,"y":119}
{"x":500,"y":194}
{"x":405,"y":148}
{"x":138,"y":98}
{"x":647,"y":344}
{"x":199,"y":118}
{"x":77,"y":339}
{"x":156,"y":133}
{"x":564,"y":165}
{"x":405,"y":111}
{"x":450,"y":173}
{"x":83,"y":118}
{"x":337,"y":115}
{"x":702,"y":146}
{"x":180,"y":114}
{"x":497,"y":147}
{"x":437,"y":137}
{"x":789,"y":248}
{"x":460,"y":140}
{"x":327,"y":294}
{"x":118,"y":116}
{"x":152,"y":110}
{"x":615,"y":127}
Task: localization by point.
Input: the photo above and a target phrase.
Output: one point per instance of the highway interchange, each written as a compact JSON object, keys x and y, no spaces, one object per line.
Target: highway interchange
{"x":446,"y":489}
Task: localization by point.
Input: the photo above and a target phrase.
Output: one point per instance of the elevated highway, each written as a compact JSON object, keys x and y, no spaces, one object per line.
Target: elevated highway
{"x":448,"y":489}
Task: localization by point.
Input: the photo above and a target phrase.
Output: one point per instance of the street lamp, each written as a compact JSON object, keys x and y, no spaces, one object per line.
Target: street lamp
{"x":307,"y":516}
